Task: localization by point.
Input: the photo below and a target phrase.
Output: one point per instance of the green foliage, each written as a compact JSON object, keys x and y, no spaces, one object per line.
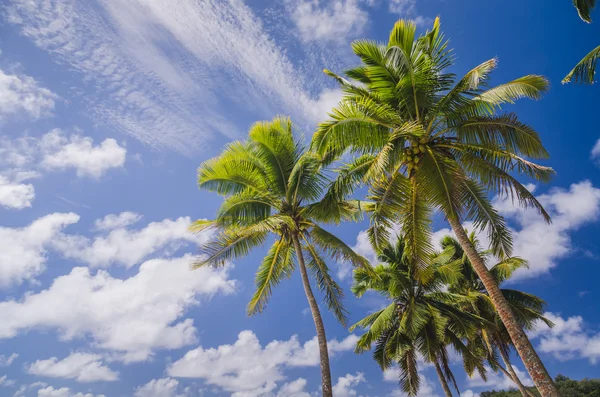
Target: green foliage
{"x":585,"y":70}
{"x":428,"y":141}
{"x":566,"y":387}
{"x":273,"y":186}
{"x":421,"y":318}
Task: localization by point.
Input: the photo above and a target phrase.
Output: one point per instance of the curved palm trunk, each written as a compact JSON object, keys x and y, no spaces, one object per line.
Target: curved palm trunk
{"x":316,"y":314}
{"x":532,"y":362}
{"x":442,"y":378}
{"x":510,"y":372}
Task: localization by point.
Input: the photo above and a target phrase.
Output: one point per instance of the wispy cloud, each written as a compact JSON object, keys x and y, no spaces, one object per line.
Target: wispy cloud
{"x":329,"y":21}
{"x":23,"y":94}
{"x":170,"y":73}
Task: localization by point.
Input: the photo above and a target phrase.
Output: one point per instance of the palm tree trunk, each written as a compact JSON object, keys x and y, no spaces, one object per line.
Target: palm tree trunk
{"x":316,"y":314}
{"x":442,"y":378}
{"x":510,"y":372}
{"x":532,"y":362}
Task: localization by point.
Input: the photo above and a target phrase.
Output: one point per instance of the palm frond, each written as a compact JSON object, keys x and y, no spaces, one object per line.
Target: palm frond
{"x":277,"y":265}
{"x":336,"y":248}
{"x":585,"y":70}
{"x":584,"y":9}
{"x":333,"y":294}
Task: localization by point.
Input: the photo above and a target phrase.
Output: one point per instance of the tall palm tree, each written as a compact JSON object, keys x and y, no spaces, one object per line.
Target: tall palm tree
{"x":429,"y":144}
{"x":493,"y":339}
{"x":420,"y":320}
{"x":272,"y":187}
{"x":585,"y":70}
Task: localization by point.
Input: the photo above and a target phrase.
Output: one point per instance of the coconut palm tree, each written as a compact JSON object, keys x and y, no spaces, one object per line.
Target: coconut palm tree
{"x":428,"y":143}
{"x":420,"y":320}
{"x":493,"y":340}
{"x":272,"y":187}
{"x":585,"y":70}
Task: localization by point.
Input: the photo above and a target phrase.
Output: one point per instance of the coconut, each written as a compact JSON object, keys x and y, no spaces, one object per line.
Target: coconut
{"x":422,"y":148}
{"x":423,"y":140}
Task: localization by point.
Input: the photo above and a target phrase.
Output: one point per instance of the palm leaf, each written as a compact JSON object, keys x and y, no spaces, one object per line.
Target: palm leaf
{"x":585,"y":70}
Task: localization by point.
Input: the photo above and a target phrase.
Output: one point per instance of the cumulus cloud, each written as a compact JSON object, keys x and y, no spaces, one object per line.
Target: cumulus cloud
{"x":23,"y":94}
{"x":246,"y":366}
{"x":79,"y":153}
{"x":544,"y":244}
{"x":165,"y":387}
{"x":82,"y":367}
{"x":23,"y":250}
{"x":329,"y":21}
{"x":117,"y":221}
{"x":57,"y":151}
{"x":129,"y":317}
{"x":568,"y":339}
{"x":15,"y":195}
{"x":497,"y":380}
{"x":124,"y":246}
{"x":345,"y":385}
{"x":63,"y":392}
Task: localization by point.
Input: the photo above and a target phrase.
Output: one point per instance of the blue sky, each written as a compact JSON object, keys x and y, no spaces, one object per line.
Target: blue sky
{"x":107,"y":108}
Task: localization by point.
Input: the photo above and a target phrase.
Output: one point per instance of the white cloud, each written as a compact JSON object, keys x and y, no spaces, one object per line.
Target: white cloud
{"x":130,"y":317}
{"x":23,"y":250}
{"x":63,"y":392}
{"x":124,"y":246}
{"x":568,"y":339}
{"x":497,"y":380}
{"x":408,"y":9}
{"x":82,"y":367}
{"x":329,"y":20}
{"x":5,"y":382}
{"x":426,"y":389}
{"x":345,"y":385}
{"x":544,"y":244}
{"x":165,"y":387}
{"x":6,"y":361}
{"x":469,"y":393}
{"x":15,"y":195}
{"x":55,"y":151}
{"x":23,"y":94}
{"x":60,"y":153}
{"x":293,"y":389}
{"x":148,"y":64}
{"x":245,"y":366}
{"x":595,"y":154}
{"x":117,"y":221}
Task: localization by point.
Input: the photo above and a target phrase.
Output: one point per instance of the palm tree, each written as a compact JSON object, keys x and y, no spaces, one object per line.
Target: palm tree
{"x":493,"y":339}
{"x":272,"y":186}
{"x":427,"y":144}
{"x":421,"y":319}
{"x":585,"y":70}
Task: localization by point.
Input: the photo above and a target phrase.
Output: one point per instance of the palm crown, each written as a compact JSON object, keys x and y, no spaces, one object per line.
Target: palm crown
{"x":272,"y":186}
{"x":428,"y":142}
{"x":528,"y":308}
{"x":421,"y":319}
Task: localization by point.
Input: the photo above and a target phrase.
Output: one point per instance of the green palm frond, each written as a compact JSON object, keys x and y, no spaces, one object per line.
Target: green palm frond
{"x":236,"y":242}
{"x":246,"y":208}
{"x":336,"y":248}
{"x":410,"y":380}
{"x":277,"y":265}
{"x":504,"y":269}
{"x":584,"y":8}
{"x":333,"y":294}
{"x":585,"y":71}
{"x":531,"y":87}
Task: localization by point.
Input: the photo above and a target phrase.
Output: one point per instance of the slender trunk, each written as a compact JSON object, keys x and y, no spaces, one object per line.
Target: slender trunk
{"x":532,"y":362}
{"x":510,"y":372}
{"x":442,"y":378}
{"x":316,"y":314}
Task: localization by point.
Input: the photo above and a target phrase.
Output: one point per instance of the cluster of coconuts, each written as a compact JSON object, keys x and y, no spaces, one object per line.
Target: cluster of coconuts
{"x":413,"y":153}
